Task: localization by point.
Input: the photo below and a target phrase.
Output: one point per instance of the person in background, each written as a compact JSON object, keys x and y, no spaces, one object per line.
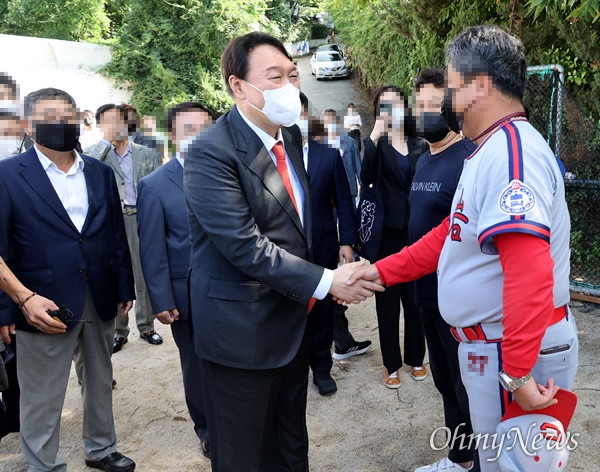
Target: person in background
{"x":353,"y":122}
{"x":130,"y":163}
{"x":90,"y":134}
{"x":391,"y":154}
{"x":165,"y":251}
{"x":348,"y":150}
{"x":62,"y":233}
{"x":433,"y":187}
{"x":143,"y":132}
{"x":11,"y":134}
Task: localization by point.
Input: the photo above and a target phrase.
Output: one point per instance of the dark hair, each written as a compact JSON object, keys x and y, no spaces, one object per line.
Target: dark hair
{"x":316,"y":127}
{"x":409,"y":125}
{"x":491,"y":51}
{"x":109,"y":106}
{"x":329,"y":111}
{"x":304,"y":101}
{"x":131,"y":122}
{"x":351,"y":105}
{"x":185,"y":107}
{"x":234,"y":60}
{"x":433,"y":76}
{"x":6,"y":79}
{"x":45,"y":94}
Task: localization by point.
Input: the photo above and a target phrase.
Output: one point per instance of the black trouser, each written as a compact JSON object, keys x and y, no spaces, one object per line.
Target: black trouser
{"x":445,"y":369}
{"x":342,"y":338}
{"x":192,"y":385}
{"x":257,"y":418}
{"x":355,"y":134}
{"x":320,"y":319}
{"x":9,"y":408}
{"x":388,"y":312}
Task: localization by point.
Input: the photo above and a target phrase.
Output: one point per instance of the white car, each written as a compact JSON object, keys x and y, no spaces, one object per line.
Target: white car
{"x":328,"y":64}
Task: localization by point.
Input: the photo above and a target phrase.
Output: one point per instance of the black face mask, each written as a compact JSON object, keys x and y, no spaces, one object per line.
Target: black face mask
{"x":432,"y":126}
{"x":452,"y":118}
{"x":60,"y":137}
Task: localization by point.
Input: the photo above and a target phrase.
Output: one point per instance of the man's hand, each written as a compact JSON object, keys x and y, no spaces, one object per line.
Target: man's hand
{"x":125,"y":306}
{"x":532,"y":396}
{"x":36,"y":314}
{"x":346,"y":254}
{"x":6,"y":331}
{"x":355,"y":293}
{"x":365,"y":272}
{"x":167,"y":317}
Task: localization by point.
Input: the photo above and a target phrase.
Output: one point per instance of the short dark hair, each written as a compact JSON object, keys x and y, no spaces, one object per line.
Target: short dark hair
{"x":45,"y":94}
{"x":7,"y":80}
{"x":316,"y":127}
{"x":185,"y":107}
{"x":234,"y":60}
{"x":304,"y":101}
{"x":351,"y":105}
{"x":106,"y":107}
{"x":491,"y":51}
{"x":433,"y":76}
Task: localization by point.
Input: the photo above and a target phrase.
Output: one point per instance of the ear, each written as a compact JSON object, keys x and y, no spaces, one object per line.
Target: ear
{"x":27,"y":126}
{"x":236,"y":86}
{"x":484,"y":85}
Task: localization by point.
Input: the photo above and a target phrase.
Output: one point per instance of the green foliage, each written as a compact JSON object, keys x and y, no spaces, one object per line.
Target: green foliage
{"x":582,"y":9}
{"x":75,"y":20}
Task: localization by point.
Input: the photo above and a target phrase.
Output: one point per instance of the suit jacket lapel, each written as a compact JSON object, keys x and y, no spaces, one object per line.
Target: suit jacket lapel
{"x":90,"y":172}
{"x":113,"y":161}
{"x":138,"y":158}
{"x":315,"y":154}
{"x":36,"y":177}
{"x":259,"y":161}
{"x":176,"y":173}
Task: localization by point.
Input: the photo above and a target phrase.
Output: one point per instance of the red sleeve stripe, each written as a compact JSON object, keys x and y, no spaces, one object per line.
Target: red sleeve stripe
{"x":515,"y":153}
{"x":515,"y":226}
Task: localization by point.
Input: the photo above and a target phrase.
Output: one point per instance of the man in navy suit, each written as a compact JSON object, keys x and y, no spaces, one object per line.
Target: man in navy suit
{"x":62,"y":234}
{"x":165,"y":251}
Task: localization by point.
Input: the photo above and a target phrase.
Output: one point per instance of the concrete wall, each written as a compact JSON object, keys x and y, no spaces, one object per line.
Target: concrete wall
{"x":70,"y":66}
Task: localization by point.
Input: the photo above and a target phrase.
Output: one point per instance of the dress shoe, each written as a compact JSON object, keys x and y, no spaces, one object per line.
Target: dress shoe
{"x":325,"y":383}
{"x":115,"y":462}
{"x":151,"y":337}
{"x":118,"y":344}
{"x":205,"y":446}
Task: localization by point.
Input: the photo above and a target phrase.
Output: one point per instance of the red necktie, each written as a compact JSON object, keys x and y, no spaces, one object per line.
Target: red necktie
{"x":282,"y":168}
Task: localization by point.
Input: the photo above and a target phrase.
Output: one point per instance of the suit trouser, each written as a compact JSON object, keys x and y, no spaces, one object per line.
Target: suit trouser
{"x":192,"y":384}
{"x":445,"y":370}
{"x":342,"y":337}
{"x":43,"y":370}
{"x":388,"y":312}
{"x":143,"y":309}
{"x":257,"y":418}
{"x":320,"y":319}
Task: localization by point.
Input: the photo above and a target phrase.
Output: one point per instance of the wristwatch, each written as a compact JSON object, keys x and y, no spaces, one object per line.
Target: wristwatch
{"x":510,"y":383}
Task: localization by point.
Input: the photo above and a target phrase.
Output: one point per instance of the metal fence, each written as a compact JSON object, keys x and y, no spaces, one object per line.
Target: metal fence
{"x":575,"y":139}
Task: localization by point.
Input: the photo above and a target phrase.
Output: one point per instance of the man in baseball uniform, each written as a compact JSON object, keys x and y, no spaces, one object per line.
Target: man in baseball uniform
{"x":502,"y":255}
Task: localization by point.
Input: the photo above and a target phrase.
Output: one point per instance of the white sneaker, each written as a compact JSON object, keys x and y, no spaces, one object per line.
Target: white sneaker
{"x":444,"y":465}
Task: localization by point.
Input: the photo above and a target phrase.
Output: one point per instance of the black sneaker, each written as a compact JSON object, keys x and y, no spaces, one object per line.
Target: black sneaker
{"x":325,"y":382}
{"x":356,"y":349}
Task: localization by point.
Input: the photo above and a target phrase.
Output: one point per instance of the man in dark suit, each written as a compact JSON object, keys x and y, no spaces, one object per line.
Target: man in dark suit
{"x":251,"y":279}
{"x":62,"y":234}
{"x":165,"y":251}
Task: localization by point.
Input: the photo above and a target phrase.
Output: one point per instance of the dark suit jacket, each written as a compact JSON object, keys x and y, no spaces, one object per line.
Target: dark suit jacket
{"x":46,"y":251}
{"x":395,"y":184}
{"x":164,"y":238}
{"x":250,"y":278}
{"x":352,"y":163}
{"x":328,"y":182}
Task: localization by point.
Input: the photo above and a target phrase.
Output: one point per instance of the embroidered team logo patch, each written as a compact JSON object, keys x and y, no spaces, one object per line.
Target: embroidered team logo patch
{"x":517,"y":199}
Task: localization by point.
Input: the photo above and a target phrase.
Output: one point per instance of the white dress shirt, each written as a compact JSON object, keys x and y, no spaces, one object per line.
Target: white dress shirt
{"x":269,"y":141}
{"x":70,"y":187}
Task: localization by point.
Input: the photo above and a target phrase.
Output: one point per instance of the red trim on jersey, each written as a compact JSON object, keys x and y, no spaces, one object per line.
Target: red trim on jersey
{"x":528,"y":301}
{"x":414,"y":261}
{"x":514,"y":152}
{"x":515,"y":226}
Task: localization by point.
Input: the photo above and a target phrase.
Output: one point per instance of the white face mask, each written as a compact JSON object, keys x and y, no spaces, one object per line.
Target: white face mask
{"x":303,"y":125}
{"x":282,"y":106}
{"x":184,"y":145}
{"x":332,"y":128}
{"x":334,"y":143}
{"x":9,"y":147}
{"x":10,"y":106}
{"x":397,"y":116}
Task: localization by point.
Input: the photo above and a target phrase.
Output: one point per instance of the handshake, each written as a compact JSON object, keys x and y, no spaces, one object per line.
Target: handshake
{"x":355,"y":282}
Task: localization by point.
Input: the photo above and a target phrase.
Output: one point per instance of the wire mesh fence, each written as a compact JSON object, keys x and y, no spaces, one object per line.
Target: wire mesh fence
{"x":575,"y":139}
